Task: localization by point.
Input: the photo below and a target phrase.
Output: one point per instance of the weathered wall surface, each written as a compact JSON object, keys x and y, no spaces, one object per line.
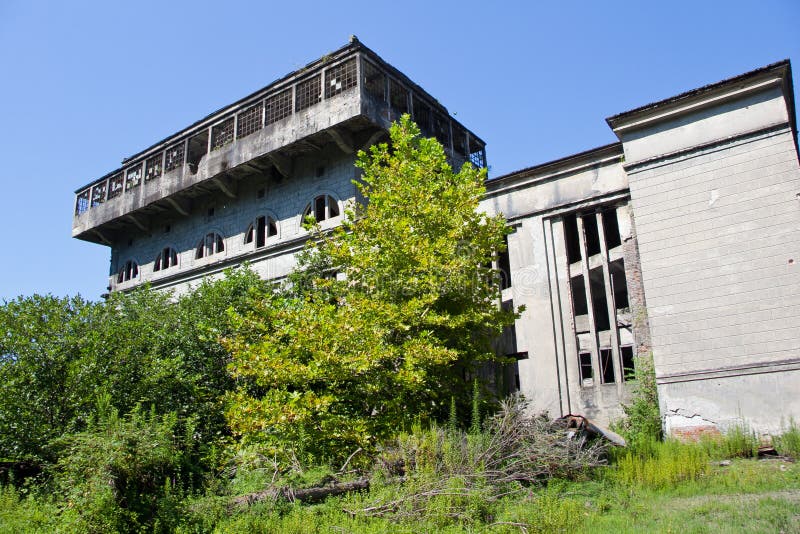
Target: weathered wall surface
{"x":284,"y":201}
{"x":715,"y":193}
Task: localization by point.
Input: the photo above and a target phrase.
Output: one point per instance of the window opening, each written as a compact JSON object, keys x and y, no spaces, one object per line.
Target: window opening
{"x":477,"y":154}
{"x":398,"y":97}
{"x":167,"y":258}
{"x":607,"y":366}
{"x":587,"y":373}
{"x":212,"y":243}
{"x":98,"y":194}
{"x":504,"y":265}
{"x":309,"y":93}
{"x":222,"y":134}
{"x":198,"y":147}
{"x":278,"y":106}
{"x":422,"y":115}
{"x":323,"y":206}
{"x":591,"y":234}
{"x":260,"y":230}
{"x":578,"y":289}
{"x":571,"y":238}
{"x":611,"y":227}
{"x":628,"y":366}
{"x":459,"y":142}
{"x":115,"y":184}
{"x":82,"y":202}
{"x":340,"y":78}
{"x":173,"y":157}
{"x":128,"y":271}
{"x":441,"y":130}
{"x":374,"y":81}
{"x":133,"y":177}
{"x":249,"y":121}
{"x":153,"y":167}
{"x":619,"y":284}
{"x":599,"y":302}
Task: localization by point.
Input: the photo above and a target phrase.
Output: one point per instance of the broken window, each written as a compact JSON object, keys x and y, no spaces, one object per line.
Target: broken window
{"x":167,"y":258}
{"x":198,"y":147}
{"x":571,"y":240}
{"x":82,"y":202}
{"x":278,"y":106}
{"x":611,"y":227}
{"x":340,"y":78}
{"x":250,"y":120}
{"x":599,"y":303}
{"x":619,"y":284}
{"x":477,"y":153}
{"x":115,"y":184}
{"x":374,"y":81}
{"x":222,"y":134}
{"x":323,"y":207}
{"x":422,"y":116}
{"x":153,"y":167}
{"x":99,"y":193}
{"x":263,"y":228}
{"x":129,"y":271}
{"x":586,"y":371}
{"x":173,"y":157}
{"x":398,"y":97}
{"x":133,"y":177}
{"x":578,"y":290}
{"x":591,"y":234}
{"x":212,"y":243}
{"x":628,"y":367}
{"x":607,"y":366}
{"x":308,"y":93}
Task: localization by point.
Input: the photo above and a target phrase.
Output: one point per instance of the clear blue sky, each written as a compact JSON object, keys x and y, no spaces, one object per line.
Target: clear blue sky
{"x":85,"y":84}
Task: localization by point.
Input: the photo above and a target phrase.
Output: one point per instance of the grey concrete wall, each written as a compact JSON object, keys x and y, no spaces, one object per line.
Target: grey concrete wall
{"x":285,"y":201}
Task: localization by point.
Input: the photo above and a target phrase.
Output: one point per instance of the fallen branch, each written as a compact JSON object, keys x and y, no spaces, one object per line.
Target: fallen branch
{"x":306,"y":495}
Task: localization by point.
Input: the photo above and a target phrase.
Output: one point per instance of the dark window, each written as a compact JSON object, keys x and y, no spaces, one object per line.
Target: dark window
{"x":628,"y":366}
{"x":128,"y":271}
{"x":198,"y":147}
{"x":340,"y":78}
{"x":611,"y":227}
{"x":173,"y":157}
{"x":607,"y":366}
{"x":133,"y":177}
{"x":591,"y":234}
{"x":599,"y":303}
{"x":249,"y":120}
{"x":212,"y":243}
{"x":398,"y":97}
{"x":154,"y":166}
{"x":504,"y":265}
{"x":279,"y":106}
{"x":262,"y":228}
{"x":578,"y":290}
{"x":571,"y":240}
{"x":323,"y":207}
{"x":585,"y":360}
{"x":115,"y":184}
{"x":222,"y":134}
{"x":374,"y":81}
{"x":167,"y":258}
{"x":308,"y":93}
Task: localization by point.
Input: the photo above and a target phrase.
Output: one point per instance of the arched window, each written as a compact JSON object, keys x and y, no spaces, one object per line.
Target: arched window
{"x":210,"y":244}
{"x":167,"y":258}
{"x":322,"y":208}
{"x":129,"y":271}
{"x":262,"y":228}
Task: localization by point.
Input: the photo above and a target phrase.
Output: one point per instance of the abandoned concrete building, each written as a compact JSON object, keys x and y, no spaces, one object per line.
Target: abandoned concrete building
{"x":680,"y":240}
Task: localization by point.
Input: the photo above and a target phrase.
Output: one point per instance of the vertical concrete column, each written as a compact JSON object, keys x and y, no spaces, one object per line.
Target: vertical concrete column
{"x":610,"y":304}
{"x":589,"y":304}
{"x":633,"y":277}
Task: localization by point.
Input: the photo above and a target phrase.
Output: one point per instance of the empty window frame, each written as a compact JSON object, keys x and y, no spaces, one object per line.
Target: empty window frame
{"x":250,"y":120}
{"x":398,"y":97}
{"x":278,"y":106}
{"x":173,"y":157}
{"x":82,"y":202}
{"x":166,"y":259}
{"x":115,"y":185}
{"x":585,"y":367}
{"x":262,"y":228}
{"x":607,"y":366}
{"x":222,"y":134}
{"x":571,"y":239}
{"x":322,"y":208}
{"x":459,"y":142}
{"x":340,"y":78}
{"x":99,"y":193}
{"x":308,"y":93}
{"x":441,"y":130}
{"x":210,"y":244}
{"x":374,"y":81}
{"x":198,"y":147}
{"x":504,"y":266}
{"x":611,"y":227}
{"x":422,"y":115}
{"x":628,"y":365}
{"x":477,"y":153}
{"x":154,"y":167}
{"x":133,"y":177}
{"x":591,"y":234}
{"x":129,"y":271}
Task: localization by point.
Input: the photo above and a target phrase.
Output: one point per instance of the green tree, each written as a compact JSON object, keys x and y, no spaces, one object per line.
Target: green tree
{"x":386,"y":315}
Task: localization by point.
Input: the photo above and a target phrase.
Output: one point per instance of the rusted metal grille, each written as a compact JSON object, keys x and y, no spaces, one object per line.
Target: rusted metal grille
{"x":477,"y":154}
{"x":441,"y":130}
{"x":308,"y":92}
{"x":279,"y":106}
{"x":99,"y":193}
{"x":174,"y":157}
{"x":82,"y":202}
{"x":133,"y":177}
{"x":154,"y":166}
{"x":398,"y":97}
{"x":422,"y":115}
{"x":222,"y":134}
{"x":249,"y":120}
{"x":374,"y":80}
{"x":341,"y":78}
{"x":115,"y":184}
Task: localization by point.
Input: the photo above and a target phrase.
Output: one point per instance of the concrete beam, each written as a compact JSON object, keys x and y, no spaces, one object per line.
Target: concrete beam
{"x":282,"y":163}
{"x":141,"y":224}
{"x":374,"y":138}
{"x":101,"y":236}
{"x":181,"y":206}
{"x":343,"y":139}
{"x":227,"y":185}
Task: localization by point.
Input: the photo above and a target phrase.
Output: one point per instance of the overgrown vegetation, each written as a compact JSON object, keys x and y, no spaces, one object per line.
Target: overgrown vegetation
{"x":345,"y":401}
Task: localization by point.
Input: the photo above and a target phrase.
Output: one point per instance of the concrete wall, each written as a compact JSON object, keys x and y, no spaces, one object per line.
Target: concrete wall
{"x":285,"y":201}
{"x":714,"y":186}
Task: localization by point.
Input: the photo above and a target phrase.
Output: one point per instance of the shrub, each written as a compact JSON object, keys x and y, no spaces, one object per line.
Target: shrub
{"x":660,"y":464}
{"x":788,"y":443}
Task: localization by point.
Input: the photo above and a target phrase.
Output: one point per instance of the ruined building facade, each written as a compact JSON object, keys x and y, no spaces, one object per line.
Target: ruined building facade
{"x":680,"y":240}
